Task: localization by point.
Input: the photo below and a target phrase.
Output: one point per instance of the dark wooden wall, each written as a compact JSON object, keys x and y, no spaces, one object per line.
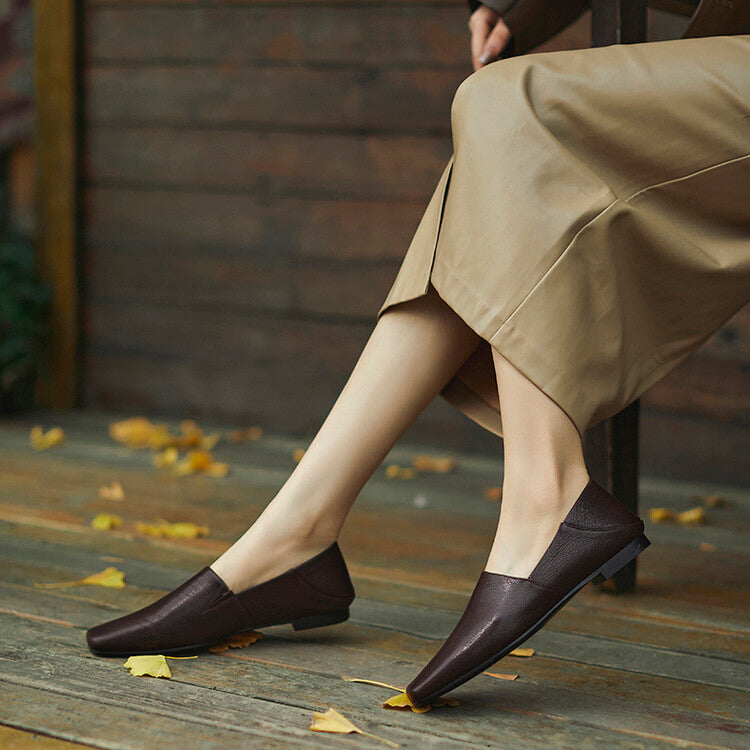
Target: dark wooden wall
{"x":253,"y":174}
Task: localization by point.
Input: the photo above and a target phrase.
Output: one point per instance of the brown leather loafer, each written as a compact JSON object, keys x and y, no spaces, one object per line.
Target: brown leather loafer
{"x":204,"y":610}
{"x":597,"y":538}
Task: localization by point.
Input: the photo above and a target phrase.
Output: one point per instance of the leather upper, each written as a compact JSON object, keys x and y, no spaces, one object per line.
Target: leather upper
{"x":504,"y":608}
{"x":204,"y":609}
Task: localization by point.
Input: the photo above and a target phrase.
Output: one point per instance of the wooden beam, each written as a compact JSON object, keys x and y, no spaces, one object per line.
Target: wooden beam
{"x":55,"y":58}
{"x":617,"y":22}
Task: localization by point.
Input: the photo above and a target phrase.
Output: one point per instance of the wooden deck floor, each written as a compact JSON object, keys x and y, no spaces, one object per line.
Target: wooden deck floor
{"x":667,"y":666}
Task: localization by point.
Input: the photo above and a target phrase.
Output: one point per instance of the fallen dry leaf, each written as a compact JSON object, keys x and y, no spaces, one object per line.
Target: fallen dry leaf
{"x":41,"y":440}
{"x":134,"y":432}
{"x":105,"y":521}
{"x":140,"y":432}
{"x":373,"y":682}
{"x":522,"y":652}
{"x":693,"y":517}
{"x":502,"y":676}
{"x":250,"y":433}
{"x":178,"y":530}
{"x":423,"y":462}
{"x":209,"y":442}
{"x":402,"y":703}
{"x":493,"y":493}
{"x":238,"y":640}
{"x":707,"y":547}
{"x":166,"y":458}
{"x":200,"y":462}
{"x":112,"y":491}
{"x":394,"y":471}
{"x":713,"y":501}
{"x":660,"y":515}
{"x":297,"y":455}
{"x":333,"y":721}
{"x":217,"y":469}
{"x":109,"y":577}
{"x":149,"y":665}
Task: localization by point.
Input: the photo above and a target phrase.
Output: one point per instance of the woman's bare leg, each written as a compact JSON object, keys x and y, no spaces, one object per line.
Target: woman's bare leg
{"x":413,"y":351}
{"x":544,"y":471}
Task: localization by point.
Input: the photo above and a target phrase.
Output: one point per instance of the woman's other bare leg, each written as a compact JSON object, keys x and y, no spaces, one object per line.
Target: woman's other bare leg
{"x":413,"y":351}
{"x":544,"y":471}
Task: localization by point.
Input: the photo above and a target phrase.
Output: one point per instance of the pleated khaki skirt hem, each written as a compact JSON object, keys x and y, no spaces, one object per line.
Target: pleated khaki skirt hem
{"x":593,"y":222}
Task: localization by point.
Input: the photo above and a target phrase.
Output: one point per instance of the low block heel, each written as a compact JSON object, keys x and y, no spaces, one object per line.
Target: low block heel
{"x":621,"y":559}
{"x":316,"y":621}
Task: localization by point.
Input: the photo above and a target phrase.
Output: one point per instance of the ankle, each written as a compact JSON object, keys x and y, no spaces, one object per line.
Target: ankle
{"x":545,"y":492}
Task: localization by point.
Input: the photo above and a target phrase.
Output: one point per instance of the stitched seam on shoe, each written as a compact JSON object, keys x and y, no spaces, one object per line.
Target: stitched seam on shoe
{"x":600,"y":531}
{"x":528,"y":580}
{"x":332,"y":597}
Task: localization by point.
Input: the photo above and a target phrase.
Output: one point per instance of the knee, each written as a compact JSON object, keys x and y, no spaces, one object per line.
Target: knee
{"x":494,"y":93}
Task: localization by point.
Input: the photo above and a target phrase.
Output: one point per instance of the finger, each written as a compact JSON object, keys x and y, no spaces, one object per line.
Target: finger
{"x":480,"y":32}
{"x":495,"y":43}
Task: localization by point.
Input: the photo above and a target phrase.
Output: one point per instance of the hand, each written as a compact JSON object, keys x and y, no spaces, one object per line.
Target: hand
{"x":489,"y":35}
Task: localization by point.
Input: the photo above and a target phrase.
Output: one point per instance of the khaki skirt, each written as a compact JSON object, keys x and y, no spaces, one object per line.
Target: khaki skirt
{"x":593,"y":221}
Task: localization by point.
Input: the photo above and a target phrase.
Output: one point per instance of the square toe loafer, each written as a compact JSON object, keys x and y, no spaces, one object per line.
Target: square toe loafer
{"x":204,"y":610}
{"x":596,"y":539}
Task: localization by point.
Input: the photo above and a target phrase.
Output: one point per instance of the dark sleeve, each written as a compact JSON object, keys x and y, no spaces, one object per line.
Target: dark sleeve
{"x":532,"y":22}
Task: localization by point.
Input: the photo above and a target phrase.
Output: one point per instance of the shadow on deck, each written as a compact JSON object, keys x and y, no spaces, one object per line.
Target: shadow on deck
{"x":666,"y":666}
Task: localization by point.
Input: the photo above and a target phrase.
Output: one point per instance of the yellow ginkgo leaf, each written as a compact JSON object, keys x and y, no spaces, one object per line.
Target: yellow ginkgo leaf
{"x":105,"y":521}
{"x":238,"y":640}
{"x":250,"y":433}
{"x":522,"y":652}
{"x":297,"y":455}
{"x":500,"y":676}
{"x":109,"y":577}
{"x":660,"y":515}
{"x":208,"y":442}
{"x":166,"y":458}
{"x":134,"y":432}
{"x":150,"y":665}
{"x":493,"y":493}
{"x":216,"y":469}
{"x":159,"y":437}
{"x":715,"y":501}
{"x":373,"y":682}
{"x":424,"y":462}
{"x":193,"y":462}
{"x":693,"y":517}
{"x":394,"y":471}
{"x":402,"y":702}
{"x":179,"y":530}
{"x":41,"y":440}
{"x":333,"y":721}
{"x":112,"y":491}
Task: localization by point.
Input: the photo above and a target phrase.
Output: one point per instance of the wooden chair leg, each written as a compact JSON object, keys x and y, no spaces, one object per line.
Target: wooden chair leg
{"x":611,"y":451}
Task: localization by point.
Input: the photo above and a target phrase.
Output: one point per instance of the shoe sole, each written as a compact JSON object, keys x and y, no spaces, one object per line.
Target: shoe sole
{"x":607,"y":570}
{"x":301,"y":623}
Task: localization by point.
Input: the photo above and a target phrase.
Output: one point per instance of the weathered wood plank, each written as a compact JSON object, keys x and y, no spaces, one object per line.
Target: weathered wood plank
{"x":318,"y":166}
{"x":716,"y":387}
{"x":358,"y":33}
{"x":67,"y":563}
{"x":363,"y":229}
{"x":370,"y":99}
{"x":303,"y":685}
{"x":94,"y":714}
{"x":244,"y":283}
{"x":19,"y":739}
